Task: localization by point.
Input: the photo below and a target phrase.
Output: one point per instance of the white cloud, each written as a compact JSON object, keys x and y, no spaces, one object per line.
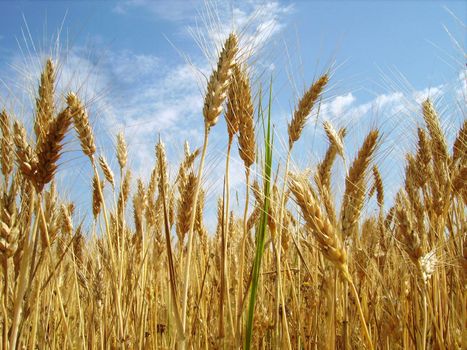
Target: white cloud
{"x":461,"y":87}
{"x":384,"y":100}
{"x":257,"y":22}
{"x":432,"y":93}
{"x":358,"y":111}
{"x":341,"y":103}
{"x":131,"y":68}
{"x":346,"y":109}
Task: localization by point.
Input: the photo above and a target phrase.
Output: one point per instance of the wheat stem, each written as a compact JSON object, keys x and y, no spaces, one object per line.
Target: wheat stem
{"x":366,"y":333}
{"x":240,"y":292}
{"x":227,"y":227}
{"x":186,"y":277}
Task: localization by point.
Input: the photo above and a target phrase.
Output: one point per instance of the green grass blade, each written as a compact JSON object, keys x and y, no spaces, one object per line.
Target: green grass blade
{"x":261,"y":230}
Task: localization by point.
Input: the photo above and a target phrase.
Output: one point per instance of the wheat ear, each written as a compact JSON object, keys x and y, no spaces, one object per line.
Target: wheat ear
{"x":49,"y":148}
{"x":82,"y":126}
{"x":122,"y":152}
{"x":108,"y":173}
{"x":304,"y":107}
{"x":219,"y":82}
{"x":6,"y":145}
{"x":45,"y":101}
{"x":355,"y":182}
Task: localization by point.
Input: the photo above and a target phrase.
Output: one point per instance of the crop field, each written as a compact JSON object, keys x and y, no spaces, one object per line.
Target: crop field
{"x":286,"y":261}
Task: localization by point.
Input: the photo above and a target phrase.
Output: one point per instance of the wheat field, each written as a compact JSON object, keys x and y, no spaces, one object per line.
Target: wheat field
{"x":299,"y":268}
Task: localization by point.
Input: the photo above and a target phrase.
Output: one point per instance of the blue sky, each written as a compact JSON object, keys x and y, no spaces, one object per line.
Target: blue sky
{"x":139,"y":66}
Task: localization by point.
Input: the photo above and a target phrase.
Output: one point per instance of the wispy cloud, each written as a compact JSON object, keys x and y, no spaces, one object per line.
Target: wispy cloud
{"x":461,"y":89}
{"x":256,"y":22}
{"x":175,"y":10}
{"x":209,"y":22}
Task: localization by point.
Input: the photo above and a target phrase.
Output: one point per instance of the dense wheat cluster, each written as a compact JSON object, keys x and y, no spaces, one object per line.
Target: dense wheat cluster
{"x":299,"y":268}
